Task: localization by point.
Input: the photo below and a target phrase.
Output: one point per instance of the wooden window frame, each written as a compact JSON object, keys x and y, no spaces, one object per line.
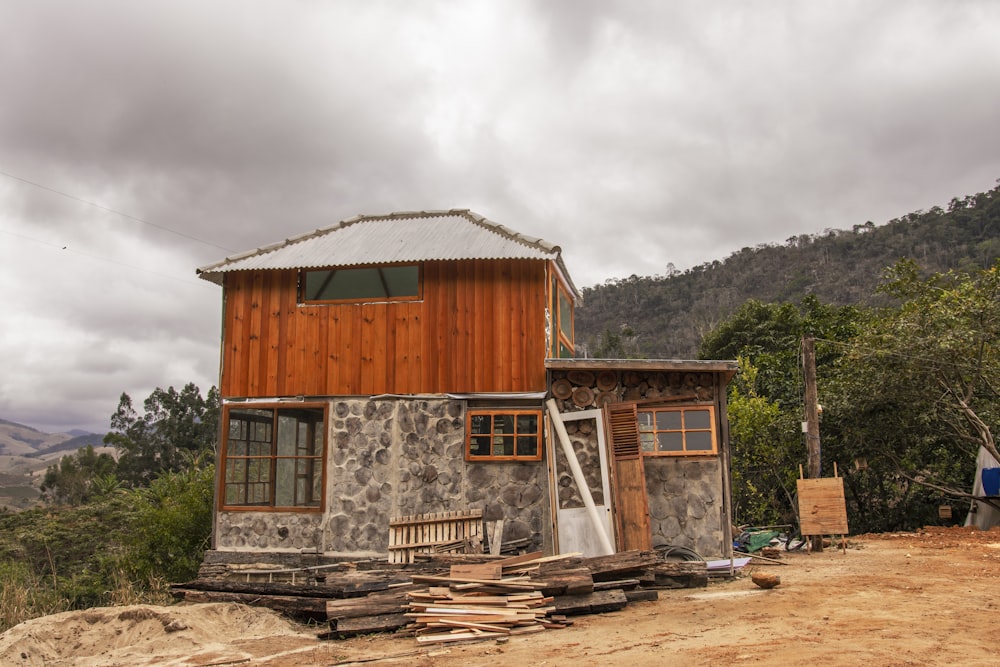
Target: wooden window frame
{"x":301,"y":297}
{"x":712,"y":429}
{"x":513,"y":412}
{"x":558,"y":292}
{"x":272,"y":458}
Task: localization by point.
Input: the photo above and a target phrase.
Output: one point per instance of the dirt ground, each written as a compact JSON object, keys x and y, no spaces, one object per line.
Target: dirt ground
{"x":891,"y":600}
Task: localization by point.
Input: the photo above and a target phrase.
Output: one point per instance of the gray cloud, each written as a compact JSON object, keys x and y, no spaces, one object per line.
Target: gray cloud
{"x":633,"y":134}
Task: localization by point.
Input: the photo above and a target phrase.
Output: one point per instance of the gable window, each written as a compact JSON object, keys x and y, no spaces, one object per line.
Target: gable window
{"x":503,"y":435}
{"x":678,"y":431}
{"x":273,"y":457}
{"x":370,"y":283}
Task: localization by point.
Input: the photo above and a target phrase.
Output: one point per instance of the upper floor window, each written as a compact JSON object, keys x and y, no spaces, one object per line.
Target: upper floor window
{"x":679,"y":431}
{"x":504,"y":435}
{"x":561,"y":309}
{"x":370,"y":283}
{"x":273,"y":457}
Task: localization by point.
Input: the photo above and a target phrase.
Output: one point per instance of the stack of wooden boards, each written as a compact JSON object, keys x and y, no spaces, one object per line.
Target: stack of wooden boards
{"x":456,"y":597}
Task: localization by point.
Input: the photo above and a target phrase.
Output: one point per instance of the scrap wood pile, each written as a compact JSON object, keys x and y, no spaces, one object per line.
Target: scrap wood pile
{"x":456,"y":597}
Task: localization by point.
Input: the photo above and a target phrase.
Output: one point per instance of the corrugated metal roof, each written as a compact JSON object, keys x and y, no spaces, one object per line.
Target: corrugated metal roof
{"x":416,"y":236}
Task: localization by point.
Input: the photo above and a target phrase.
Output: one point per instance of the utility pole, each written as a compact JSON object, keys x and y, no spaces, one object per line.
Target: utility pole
{"x":811,"y":424}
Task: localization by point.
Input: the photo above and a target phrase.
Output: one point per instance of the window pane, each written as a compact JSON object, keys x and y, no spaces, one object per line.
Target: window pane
{"x":234,"y":494}
{"x":527,"y":446}
{"x":645,"y":420}
{"x":284,"y":483}
{"x":503,"y":445}
{"x":481,"y":424}
{"x":668,"y":421}
{"x":646,"y":440}
{"x":503,"y":424}
{"x":697,"y":419}
{"x":479,"y":445}
{"x":670,"y":442}
{"x":365,"y":283}
{"x":287,"y":435}
{"x":527,"y":424}
{"x":237,"y":448}
{"x":699,"y":441}
{"x":565,"y":316}
{"x":236,"y":470}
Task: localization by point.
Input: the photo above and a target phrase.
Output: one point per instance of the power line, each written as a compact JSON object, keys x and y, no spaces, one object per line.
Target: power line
{"x":114,"y":211}
{"x":106,"y":259}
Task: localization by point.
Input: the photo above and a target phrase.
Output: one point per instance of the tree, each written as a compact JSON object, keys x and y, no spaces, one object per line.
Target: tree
{"x":77,"y":477}
{"x":617,"y":345}
{"x":917,"y":388}
{"x":764,"y":443}
{"x":765,"y":399}
{"x":174,"y":425}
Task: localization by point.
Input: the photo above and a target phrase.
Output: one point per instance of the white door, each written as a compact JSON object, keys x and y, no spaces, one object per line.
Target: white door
{"x":575,"y":529}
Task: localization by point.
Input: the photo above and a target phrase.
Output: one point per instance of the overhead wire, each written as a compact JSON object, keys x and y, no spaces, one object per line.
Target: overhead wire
{"x":127,"y":216}
{"x":107,"y":259}
{"x":122,"y":214}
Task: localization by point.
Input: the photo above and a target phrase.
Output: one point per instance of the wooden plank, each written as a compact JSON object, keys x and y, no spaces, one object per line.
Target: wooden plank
{"x":596,"y":602}
{"x":346,"y":627}
{"x":478,"y":571}
{"x":822,"y":509}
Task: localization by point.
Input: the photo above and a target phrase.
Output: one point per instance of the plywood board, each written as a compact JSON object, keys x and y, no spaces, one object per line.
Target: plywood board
{"x":822,"y":510}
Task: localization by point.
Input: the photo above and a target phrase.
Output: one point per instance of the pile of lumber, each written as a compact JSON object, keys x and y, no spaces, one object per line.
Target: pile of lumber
{"x":456,"y":597}
{"x":441,"y":614}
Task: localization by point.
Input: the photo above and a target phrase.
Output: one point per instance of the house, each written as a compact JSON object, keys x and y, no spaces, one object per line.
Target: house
{"x":422,"y":362}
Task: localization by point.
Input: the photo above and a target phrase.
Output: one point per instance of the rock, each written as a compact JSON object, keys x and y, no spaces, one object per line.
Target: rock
{"x":765,"y":579}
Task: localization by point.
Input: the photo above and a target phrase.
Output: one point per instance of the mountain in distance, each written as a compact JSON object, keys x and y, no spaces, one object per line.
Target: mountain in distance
{"x":666,"y":317}
{"x":26,"y":452}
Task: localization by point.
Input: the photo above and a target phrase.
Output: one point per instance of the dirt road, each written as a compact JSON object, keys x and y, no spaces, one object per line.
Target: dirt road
{"x":891,"y":601}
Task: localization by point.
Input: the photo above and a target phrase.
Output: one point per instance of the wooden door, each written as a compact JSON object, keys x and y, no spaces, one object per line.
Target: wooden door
{"x":630,"y":503}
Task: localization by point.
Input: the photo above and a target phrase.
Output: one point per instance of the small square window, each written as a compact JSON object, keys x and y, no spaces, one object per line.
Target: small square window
{"x":677,"y":431}
{"x":504,"y":435}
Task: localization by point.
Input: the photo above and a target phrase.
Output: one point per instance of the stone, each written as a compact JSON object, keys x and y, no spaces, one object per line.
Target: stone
{"x":765,"y":579}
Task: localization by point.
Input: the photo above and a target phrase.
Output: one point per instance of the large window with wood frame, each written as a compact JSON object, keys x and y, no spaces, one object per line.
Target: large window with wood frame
{"x":273,"y":457}
{"x":561,"y":312}
{"x":677,"y":431}
{"x":367,"y":283}
{"x":503,"y":435}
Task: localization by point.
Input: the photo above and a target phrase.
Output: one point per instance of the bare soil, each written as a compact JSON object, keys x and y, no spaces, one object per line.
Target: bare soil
{"x":892,"y":600}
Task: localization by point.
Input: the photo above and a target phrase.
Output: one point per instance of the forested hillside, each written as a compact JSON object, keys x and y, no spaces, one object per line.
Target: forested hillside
{"x":667,"y":316}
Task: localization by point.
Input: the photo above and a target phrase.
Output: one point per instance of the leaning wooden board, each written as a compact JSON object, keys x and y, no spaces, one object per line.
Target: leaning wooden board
{"x":822,"y":510}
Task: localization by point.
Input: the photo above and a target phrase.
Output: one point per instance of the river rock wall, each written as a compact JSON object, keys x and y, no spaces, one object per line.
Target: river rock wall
{"x":389,"y":457}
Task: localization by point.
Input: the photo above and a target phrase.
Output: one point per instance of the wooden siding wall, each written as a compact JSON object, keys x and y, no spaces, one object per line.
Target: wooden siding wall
{"x":480,"y":327}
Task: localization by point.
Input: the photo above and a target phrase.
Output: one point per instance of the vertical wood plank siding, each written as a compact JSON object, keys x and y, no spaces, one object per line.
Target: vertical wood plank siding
{"x":480,"y":327}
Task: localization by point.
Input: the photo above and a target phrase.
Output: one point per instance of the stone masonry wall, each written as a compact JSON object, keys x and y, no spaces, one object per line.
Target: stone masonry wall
{"x":390,"y":457}
{"x":685,"y":495}
{"x":685,"y":503}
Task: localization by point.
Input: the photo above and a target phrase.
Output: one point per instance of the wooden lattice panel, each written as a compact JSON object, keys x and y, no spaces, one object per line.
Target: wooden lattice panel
{"x":822,"y":510}
{"x":434,"y":533}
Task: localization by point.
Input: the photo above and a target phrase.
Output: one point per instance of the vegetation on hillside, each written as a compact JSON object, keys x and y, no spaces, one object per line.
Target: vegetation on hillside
{"x":117,"y":531}
{"x":669,"y":314}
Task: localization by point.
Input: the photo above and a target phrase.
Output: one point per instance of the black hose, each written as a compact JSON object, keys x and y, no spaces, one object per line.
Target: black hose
{"x":683,"y":553}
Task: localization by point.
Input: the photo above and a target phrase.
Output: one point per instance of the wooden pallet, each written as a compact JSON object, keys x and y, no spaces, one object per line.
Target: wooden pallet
{"x":460,"y":531}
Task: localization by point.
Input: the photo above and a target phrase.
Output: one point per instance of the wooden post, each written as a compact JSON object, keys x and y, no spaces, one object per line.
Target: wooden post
{"x":811,"y":423}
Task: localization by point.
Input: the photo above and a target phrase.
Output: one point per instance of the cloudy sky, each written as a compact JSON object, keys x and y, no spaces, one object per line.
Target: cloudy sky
{"x":140,"y":140}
